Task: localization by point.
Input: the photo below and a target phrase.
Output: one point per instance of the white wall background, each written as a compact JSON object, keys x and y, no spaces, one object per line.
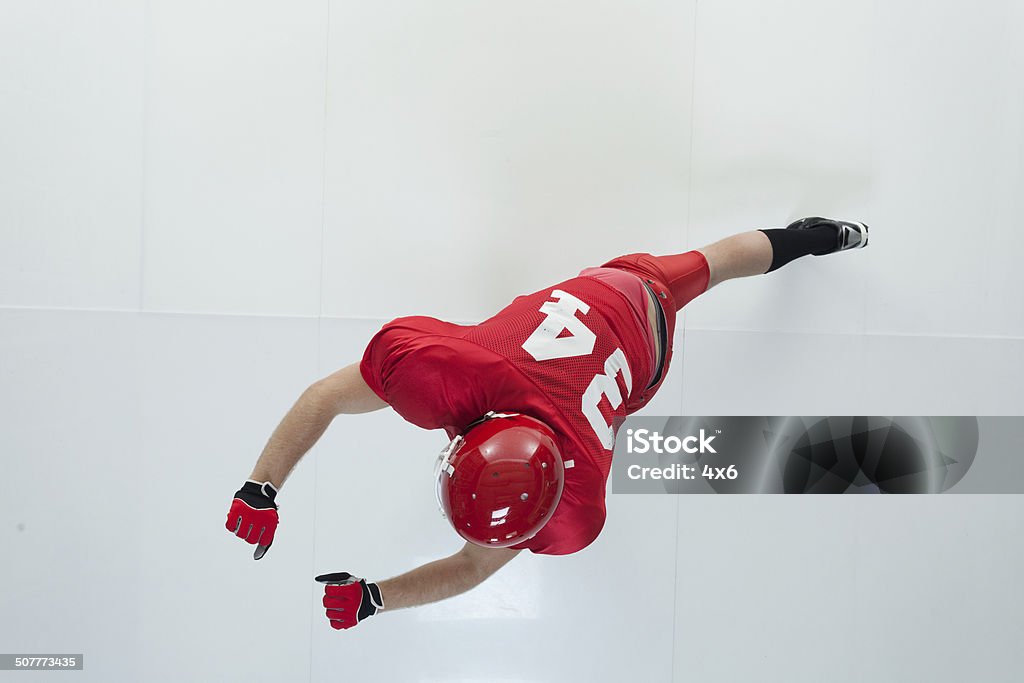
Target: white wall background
{"x":204,"y":206}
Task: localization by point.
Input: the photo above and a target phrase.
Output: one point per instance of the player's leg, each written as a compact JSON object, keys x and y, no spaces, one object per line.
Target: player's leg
{"x":679,"y":278}
{"x":742,"y":255}
{"x":763,"y":251}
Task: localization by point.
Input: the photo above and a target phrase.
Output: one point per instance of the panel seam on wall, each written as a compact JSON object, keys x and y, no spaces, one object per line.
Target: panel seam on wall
{"x":871,"y":61}
{"x":146,"y":58}
{"x":689,"y":207}
{"x":463,"y":321}
{"x":683,"y":317}
{"x":320,"y":303}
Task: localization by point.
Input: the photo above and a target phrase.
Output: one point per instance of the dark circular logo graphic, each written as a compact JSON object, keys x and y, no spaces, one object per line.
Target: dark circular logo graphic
{"x":834,"y":454}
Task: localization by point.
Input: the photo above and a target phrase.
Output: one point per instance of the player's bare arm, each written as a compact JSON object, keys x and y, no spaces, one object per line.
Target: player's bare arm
{"x":343,"y":392}
{"x":529,"y":399}
{"x":348,"y":600}
{"x":253,"y":514}
{"x":445,"y":578}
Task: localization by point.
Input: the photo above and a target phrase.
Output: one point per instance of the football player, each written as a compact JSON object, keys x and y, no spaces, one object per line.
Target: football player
{"x":528,"y":397}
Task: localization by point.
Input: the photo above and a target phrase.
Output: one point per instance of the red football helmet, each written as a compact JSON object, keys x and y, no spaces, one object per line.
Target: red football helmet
{"x":498,"y":484}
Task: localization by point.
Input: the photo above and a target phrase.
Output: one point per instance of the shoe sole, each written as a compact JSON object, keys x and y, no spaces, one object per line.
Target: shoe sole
{"x":864,"y":234}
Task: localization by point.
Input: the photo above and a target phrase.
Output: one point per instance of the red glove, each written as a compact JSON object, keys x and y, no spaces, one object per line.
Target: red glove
{"x":253,"y":515}
{"x":349,"y":599}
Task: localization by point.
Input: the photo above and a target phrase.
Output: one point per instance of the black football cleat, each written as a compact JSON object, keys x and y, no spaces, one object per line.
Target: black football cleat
{"x":849,"y":234}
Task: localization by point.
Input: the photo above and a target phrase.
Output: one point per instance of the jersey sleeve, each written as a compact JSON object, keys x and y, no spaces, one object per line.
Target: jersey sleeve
{"x":372,"y":365}
{"x":580,"y":514}
{"x":573,"y":527}
{"x":429,"y":376}
{"x":395,"y":342}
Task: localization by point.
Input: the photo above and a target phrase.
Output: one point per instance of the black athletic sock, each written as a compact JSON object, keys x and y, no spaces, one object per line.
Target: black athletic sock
{"x":788,"y":245}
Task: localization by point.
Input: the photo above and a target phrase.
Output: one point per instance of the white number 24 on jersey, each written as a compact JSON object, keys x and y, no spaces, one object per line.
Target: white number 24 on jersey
{"x":562,"y":335}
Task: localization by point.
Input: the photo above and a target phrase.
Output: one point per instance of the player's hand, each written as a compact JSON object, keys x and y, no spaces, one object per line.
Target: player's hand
{"x":253,"y":515}
{"x":349,"y":599}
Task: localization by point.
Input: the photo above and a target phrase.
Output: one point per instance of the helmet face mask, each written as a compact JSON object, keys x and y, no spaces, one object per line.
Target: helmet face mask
{"x":443,"y":467}
{"x":500,"y":482}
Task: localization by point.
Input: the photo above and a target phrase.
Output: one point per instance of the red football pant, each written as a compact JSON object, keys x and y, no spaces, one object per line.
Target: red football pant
{"x":683,"y":277}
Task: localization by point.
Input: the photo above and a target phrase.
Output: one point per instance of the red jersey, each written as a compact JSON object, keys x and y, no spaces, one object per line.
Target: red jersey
{"x":576,"y":356}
